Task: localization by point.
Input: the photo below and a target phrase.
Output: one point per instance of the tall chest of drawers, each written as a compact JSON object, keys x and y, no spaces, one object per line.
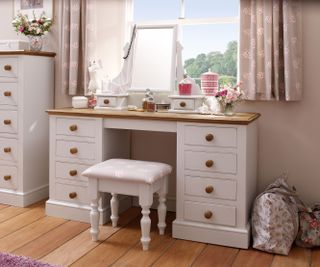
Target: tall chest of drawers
{"x":26,"y":91}
{"x":216,"y":182}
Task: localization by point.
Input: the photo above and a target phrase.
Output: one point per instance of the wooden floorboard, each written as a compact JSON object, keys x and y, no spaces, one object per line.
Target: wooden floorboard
{"x":29,"y":232}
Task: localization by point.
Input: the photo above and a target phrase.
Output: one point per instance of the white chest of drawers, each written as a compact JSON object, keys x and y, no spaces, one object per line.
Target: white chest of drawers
{"x":26,"y":92}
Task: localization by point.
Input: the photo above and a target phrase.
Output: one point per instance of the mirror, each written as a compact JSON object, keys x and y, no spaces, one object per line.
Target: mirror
{"x":154,"y":58}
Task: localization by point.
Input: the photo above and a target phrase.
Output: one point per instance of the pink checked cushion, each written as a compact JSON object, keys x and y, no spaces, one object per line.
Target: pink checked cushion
{"x":128,"y":170}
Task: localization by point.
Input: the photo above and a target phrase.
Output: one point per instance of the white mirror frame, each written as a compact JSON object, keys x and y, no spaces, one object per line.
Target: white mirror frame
{"x":173,"y":65}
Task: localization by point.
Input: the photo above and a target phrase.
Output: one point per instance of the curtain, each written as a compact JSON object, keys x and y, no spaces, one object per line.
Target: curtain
{"x":77,"y":44}
{"x":271,"y":49}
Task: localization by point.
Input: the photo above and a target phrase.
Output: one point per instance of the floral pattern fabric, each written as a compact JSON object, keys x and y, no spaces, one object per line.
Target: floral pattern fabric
{"x":271,"y":49}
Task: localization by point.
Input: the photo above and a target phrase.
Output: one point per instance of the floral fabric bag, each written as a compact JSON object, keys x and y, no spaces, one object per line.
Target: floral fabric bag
{"x":275,"y":220}
{"x":309,"y":230}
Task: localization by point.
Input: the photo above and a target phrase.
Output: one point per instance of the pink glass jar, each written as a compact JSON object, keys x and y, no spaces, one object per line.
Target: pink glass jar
{"x":209,"y":83}
{"x":185,"y":88}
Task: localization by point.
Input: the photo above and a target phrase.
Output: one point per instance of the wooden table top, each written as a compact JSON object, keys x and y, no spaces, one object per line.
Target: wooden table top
{"x":27,"y":53}
{"x":238,"y":118}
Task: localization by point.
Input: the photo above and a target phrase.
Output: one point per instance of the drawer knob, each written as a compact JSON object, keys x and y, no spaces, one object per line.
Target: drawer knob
{"x":106,"y":101}
{"x":7,"y":93}
{"x":208,"y":214}
{"x":73,"y":172}
{"x":7,"y":177}
{"x":7,"y":122}
{"x":209,"y":163}
{"x":73,"y":150}
{"x":73,"y":128}
{"x":209,"y":189}
{"x":209,"y":137}
{"x":7,"y":150}
{"x":7,"y":67}
{"x":72,"y":195}
{"x":183,"y":104}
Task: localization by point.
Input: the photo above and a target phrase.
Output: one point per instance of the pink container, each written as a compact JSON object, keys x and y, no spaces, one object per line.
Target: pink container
{"x":185,"y":88}
{"x":209,"y":83}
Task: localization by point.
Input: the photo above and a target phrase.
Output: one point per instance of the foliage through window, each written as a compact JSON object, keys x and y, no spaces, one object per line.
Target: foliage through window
{"x":208,"y":32}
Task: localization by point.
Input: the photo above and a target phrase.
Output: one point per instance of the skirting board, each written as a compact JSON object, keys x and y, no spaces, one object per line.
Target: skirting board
{"x":225,"y":236}
{"x":23,"y":199}
{"x":82,"y":213}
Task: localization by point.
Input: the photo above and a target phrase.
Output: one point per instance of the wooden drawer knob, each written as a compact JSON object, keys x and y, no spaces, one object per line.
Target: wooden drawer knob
{"x":209,"y":137}
{"x":72,"y":195}
{"x":73,"y":128}
{"x":7,"y":177}
{"x":7,"y":67}
{"x":209,"y":163}
{"x":73,"y":172}
{"x":183,"y":104}
{"x":73,"y":150}
{"x":7,"y":122}
{"x":106,"y":101}
{"x":209,"y":189}
{"x":208,"y":214}
{"x":7,"y":150}
{"x":7,"y":93}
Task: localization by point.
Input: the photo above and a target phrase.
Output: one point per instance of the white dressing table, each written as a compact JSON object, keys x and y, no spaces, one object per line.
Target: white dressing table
{"x":216,"y":167}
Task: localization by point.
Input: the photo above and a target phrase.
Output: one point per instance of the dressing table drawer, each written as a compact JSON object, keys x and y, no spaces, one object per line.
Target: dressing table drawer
{"x":9,"y":67}
{"x":71,"y":171}
{"x":9,"y":149}
{"x":8,"y":177}
{"x":9,"y":94}
{"x":76,"y":127}
{"x":211,"y":188}
{"x":8,"y":121}
{"x":75,"y":150}
{"x":211,"y":162}
{"x":183,"y":104}
{"x":107,"y":101}
{"x":210,"y":213}
{"x":72,"y":193}
{"x":210,"y":136}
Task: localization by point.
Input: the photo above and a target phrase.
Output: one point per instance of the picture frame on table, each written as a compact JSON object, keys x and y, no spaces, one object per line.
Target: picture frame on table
{"x":30,"y":7}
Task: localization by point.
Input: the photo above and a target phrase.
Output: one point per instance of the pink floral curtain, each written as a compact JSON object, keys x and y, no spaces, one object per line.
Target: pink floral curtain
{"x":77,"y":44}
{"x":271,"y":49}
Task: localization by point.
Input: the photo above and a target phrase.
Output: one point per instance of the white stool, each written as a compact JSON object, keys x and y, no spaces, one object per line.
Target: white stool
{"x":129,"y":177}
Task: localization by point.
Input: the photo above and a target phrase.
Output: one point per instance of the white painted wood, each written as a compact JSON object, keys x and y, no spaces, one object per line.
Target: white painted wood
{"x":222,"y":136}
{"x":222,"y":162}
{"x":162,"y":207}
{"x":221,"y":188}
{"x":76,"y":127}
{"x":8,"y":177}
{"x":114,"y":204}
{"x":84,"y":150}
{"x":63,"y":192}
{"x":183,"y":104}
{"x":71,"y":171}
{"x":145,"y":224}
{"x":26,"y":92}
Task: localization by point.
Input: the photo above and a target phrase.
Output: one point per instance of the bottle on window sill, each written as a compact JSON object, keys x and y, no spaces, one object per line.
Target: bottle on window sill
{"x":151,"y":105}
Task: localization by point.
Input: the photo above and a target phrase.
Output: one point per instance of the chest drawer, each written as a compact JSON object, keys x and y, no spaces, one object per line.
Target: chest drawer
{"x":210,"y":136}
{"x":9,"y":149}
{"x":107,"y":101}
{"x":9,"y":94}
{"x":75,"y":150}
{"x":72,"y":193}
{"x":71,"y":171}
{"x":76,"y":127}
{"x":183,"y":104}
{"x":211,"y":162}
{"x":8,"y":121}
{"x":8,"y":177}
{"x":8,"y":67}
{"x":210,"y":213}
{"x":211,"y":188}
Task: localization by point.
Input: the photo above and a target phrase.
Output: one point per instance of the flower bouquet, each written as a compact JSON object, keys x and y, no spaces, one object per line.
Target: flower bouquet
{"x":227,"y":97}
{"x":33,"y":29}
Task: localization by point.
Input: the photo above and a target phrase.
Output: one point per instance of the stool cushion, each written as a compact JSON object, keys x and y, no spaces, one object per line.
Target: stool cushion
{"x":128,"y":170}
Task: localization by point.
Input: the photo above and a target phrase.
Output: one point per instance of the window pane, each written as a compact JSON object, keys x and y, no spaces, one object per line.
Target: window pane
{"x":211,"y":46}
{"x":211,"y":8}
{"x":156,"y":10}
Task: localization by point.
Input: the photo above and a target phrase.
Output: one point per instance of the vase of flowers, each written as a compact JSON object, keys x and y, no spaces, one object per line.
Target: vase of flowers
{"x":228,"y":97}
{"x":34,"y":29}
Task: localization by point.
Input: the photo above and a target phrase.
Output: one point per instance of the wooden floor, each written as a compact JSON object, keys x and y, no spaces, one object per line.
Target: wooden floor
{"x":28,"y":231}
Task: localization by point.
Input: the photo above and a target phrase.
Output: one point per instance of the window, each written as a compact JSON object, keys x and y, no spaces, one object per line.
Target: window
{"x":208,"y":32}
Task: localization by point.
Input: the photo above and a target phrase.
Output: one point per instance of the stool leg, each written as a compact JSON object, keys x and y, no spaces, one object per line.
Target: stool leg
{"x":145,"y":227}
{"x":114,"y":203}
{"x":94,"y":219}
{"x":162,"y":208}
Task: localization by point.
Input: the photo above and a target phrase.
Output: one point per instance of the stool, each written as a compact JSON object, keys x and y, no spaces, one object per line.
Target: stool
{"x":129,"y":177}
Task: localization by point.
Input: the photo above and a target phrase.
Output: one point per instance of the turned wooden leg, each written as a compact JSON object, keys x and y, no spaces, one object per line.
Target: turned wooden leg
{"x":162,"y":212}
{"x":94,"y":219}
{"x":114,"y":203}
{"x":145,"y":227}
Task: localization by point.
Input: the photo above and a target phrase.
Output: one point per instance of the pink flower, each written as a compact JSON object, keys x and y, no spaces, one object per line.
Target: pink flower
{"x":21,"y":29}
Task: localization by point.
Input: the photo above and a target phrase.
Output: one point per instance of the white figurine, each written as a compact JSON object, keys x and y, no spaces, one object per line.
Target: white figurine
{"x":95,"y":83}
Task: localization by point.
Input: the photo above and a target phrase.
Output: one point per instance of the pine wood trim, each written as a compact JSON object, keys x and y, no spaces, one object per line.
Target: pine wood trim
{"x":27,"y":53}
